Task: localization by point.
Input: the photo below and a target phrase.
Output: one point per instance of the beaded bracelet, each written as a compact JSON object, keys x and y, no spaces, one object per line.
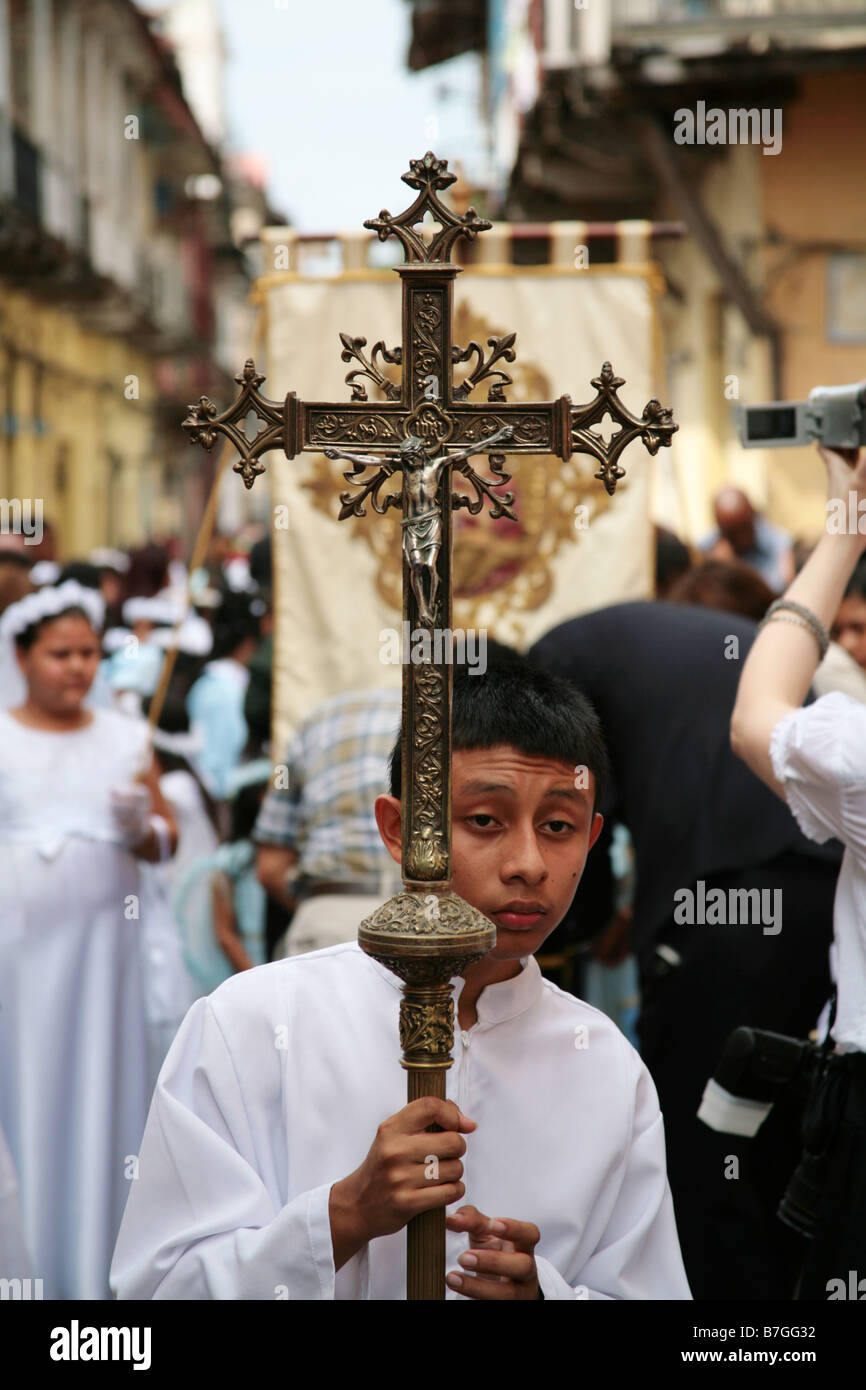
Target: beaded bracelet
{"x":804,"y":617}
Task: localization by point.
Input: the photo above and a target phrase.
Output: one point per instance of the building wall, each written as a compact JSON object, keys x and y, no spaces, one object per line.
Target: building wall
{"x":811,"y":195}
{"x":712,"y":360}
{"x":71,"y":438}
{"x":814,"y":192}
{"x":110,"y":274}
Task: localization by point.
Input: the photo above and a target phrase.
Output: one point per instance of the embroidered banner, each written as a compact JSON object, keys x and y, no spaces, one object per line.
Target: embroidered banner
{"x":338,"y":583}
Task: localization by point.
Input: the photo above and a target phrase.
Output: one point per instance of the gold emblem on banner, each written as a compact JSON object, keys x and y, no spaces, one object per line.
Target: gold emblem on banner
{"x":503,"y":563}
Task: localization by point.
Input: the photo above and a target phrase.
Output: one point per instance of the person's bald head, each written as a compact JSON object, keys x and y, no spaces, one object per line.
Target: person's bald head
{"x":735,"y":518}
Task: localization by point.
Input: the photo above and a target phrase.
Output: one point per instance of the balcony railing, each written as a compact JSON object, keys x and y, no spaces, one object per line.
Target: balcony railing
{"x":584,"y":34}
{"x":46,"y":193}
{"x":713,"y":16}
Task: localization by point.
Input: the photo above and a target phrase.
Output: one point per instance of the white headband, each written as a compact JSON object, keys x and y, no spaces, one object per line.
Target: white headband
{"x":113,"y":638}
{"x":108,"y":559}
{"x":194,"y":637}
{"x":48,"y":603}
{"x":151,"y":610}
{"x":44,"y":572}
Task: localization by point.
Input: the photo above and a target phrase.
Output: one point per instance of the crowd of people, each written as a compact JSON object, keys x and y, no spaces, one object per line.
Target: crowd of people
{"x":154,"y":846}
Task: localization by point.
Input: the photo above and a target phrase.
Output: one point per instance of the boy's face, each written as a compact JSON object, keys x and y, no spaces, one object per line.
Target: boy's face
{"x":521,"y":831}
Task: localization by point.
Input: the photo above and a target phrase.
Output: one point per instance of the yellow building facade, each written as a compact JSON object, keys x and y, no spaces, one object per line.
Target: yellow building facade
{"x":78,"y":427}
{"x":792,"y":221}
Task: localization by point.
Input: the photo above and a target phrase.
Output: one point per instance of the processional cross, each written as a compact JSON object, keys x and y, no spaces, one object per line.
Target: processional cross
{"x":424,"y":429}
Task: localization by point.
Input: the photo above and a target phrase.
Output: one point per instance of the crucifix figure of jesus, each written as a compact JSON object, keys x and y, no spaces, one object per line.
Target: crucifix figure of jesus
{"x":424,"y":428}
{"x":422,"y":524}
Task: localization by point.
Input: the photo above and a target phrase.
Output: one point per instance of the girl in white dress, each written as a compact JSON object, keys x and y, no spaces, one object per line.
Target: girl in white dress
{"x":77,"y":812}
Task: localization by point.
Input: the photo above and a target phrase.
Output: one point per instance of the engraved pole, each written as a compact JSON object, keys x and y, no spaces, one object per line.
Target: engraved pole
{"x":439,"y":934}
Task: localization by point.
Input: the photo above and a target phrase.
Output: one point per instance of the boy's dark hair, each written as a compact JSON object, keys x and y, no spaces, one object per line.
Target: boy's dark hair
{"x":518,"y":704}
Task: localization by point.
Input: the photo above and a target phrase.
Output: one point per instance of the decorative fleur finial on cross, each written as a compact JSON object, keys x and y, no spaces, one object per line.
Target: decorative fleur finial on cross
{"x":429,"y":175}
{"x":655,"y":427}
{"x":203,"y":424}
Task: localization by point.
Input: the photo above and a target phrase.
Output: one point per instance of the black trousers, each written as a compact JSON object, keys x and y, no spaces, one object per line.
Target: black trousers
{"x":834,"y":1131}
{"x":726,"y":1189}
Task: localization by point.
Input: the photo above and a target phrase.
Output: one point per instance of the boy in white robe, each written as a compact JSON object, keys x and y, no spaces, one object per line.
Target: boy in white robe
{"x":280,"y":1159}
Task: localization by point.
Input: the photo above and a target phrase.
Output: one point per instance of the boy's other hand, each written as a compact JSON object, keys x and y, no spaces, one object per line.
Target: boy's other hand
{"x":406,"y":1171}
{"x":500,"y":1261}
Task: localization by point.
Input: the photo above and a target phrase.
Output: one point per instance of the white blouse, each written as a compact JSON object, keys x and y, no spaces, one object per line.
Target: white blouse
{"x":54,"y":785}
{"x":819,"y":756}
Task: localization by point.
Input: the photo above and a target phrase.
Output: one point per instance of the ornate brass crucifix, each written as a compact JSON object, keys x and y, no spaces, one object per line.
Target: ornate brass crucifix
{"x":424,"y":429}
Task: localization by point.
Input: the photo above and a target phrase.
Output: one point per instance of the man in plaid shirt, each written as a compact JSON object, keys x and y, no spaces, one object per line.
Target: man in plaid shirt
{"x":318,"y":846}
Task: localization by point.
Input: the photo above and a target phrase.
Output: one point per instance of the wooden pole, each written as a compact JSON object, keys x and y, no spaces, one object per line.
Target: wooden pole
{"x":199,"y":552}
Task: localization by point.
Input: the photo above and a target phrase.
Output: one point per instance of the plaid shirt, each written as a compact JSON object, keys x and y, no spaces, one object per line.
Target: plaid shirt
{"x":337,"y":766}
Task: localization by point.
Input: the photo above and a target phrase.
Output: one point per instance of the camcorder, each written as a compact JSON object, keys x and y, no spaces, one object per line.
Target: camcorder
{"x":755,"y":1068}
{"x":833,"y":415}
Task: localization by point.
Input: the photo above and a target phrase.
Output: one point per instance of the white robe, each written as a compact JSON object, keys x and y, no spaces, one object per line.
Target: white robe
{"x":274,"y":1088}
{"x":15,"y":1259}
{"x":73,"y":1040}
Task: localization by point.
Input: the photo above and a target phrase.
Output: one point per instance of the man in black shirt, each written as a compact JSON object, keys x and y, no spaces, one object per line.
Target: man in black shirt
{"x":663,"y":678}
